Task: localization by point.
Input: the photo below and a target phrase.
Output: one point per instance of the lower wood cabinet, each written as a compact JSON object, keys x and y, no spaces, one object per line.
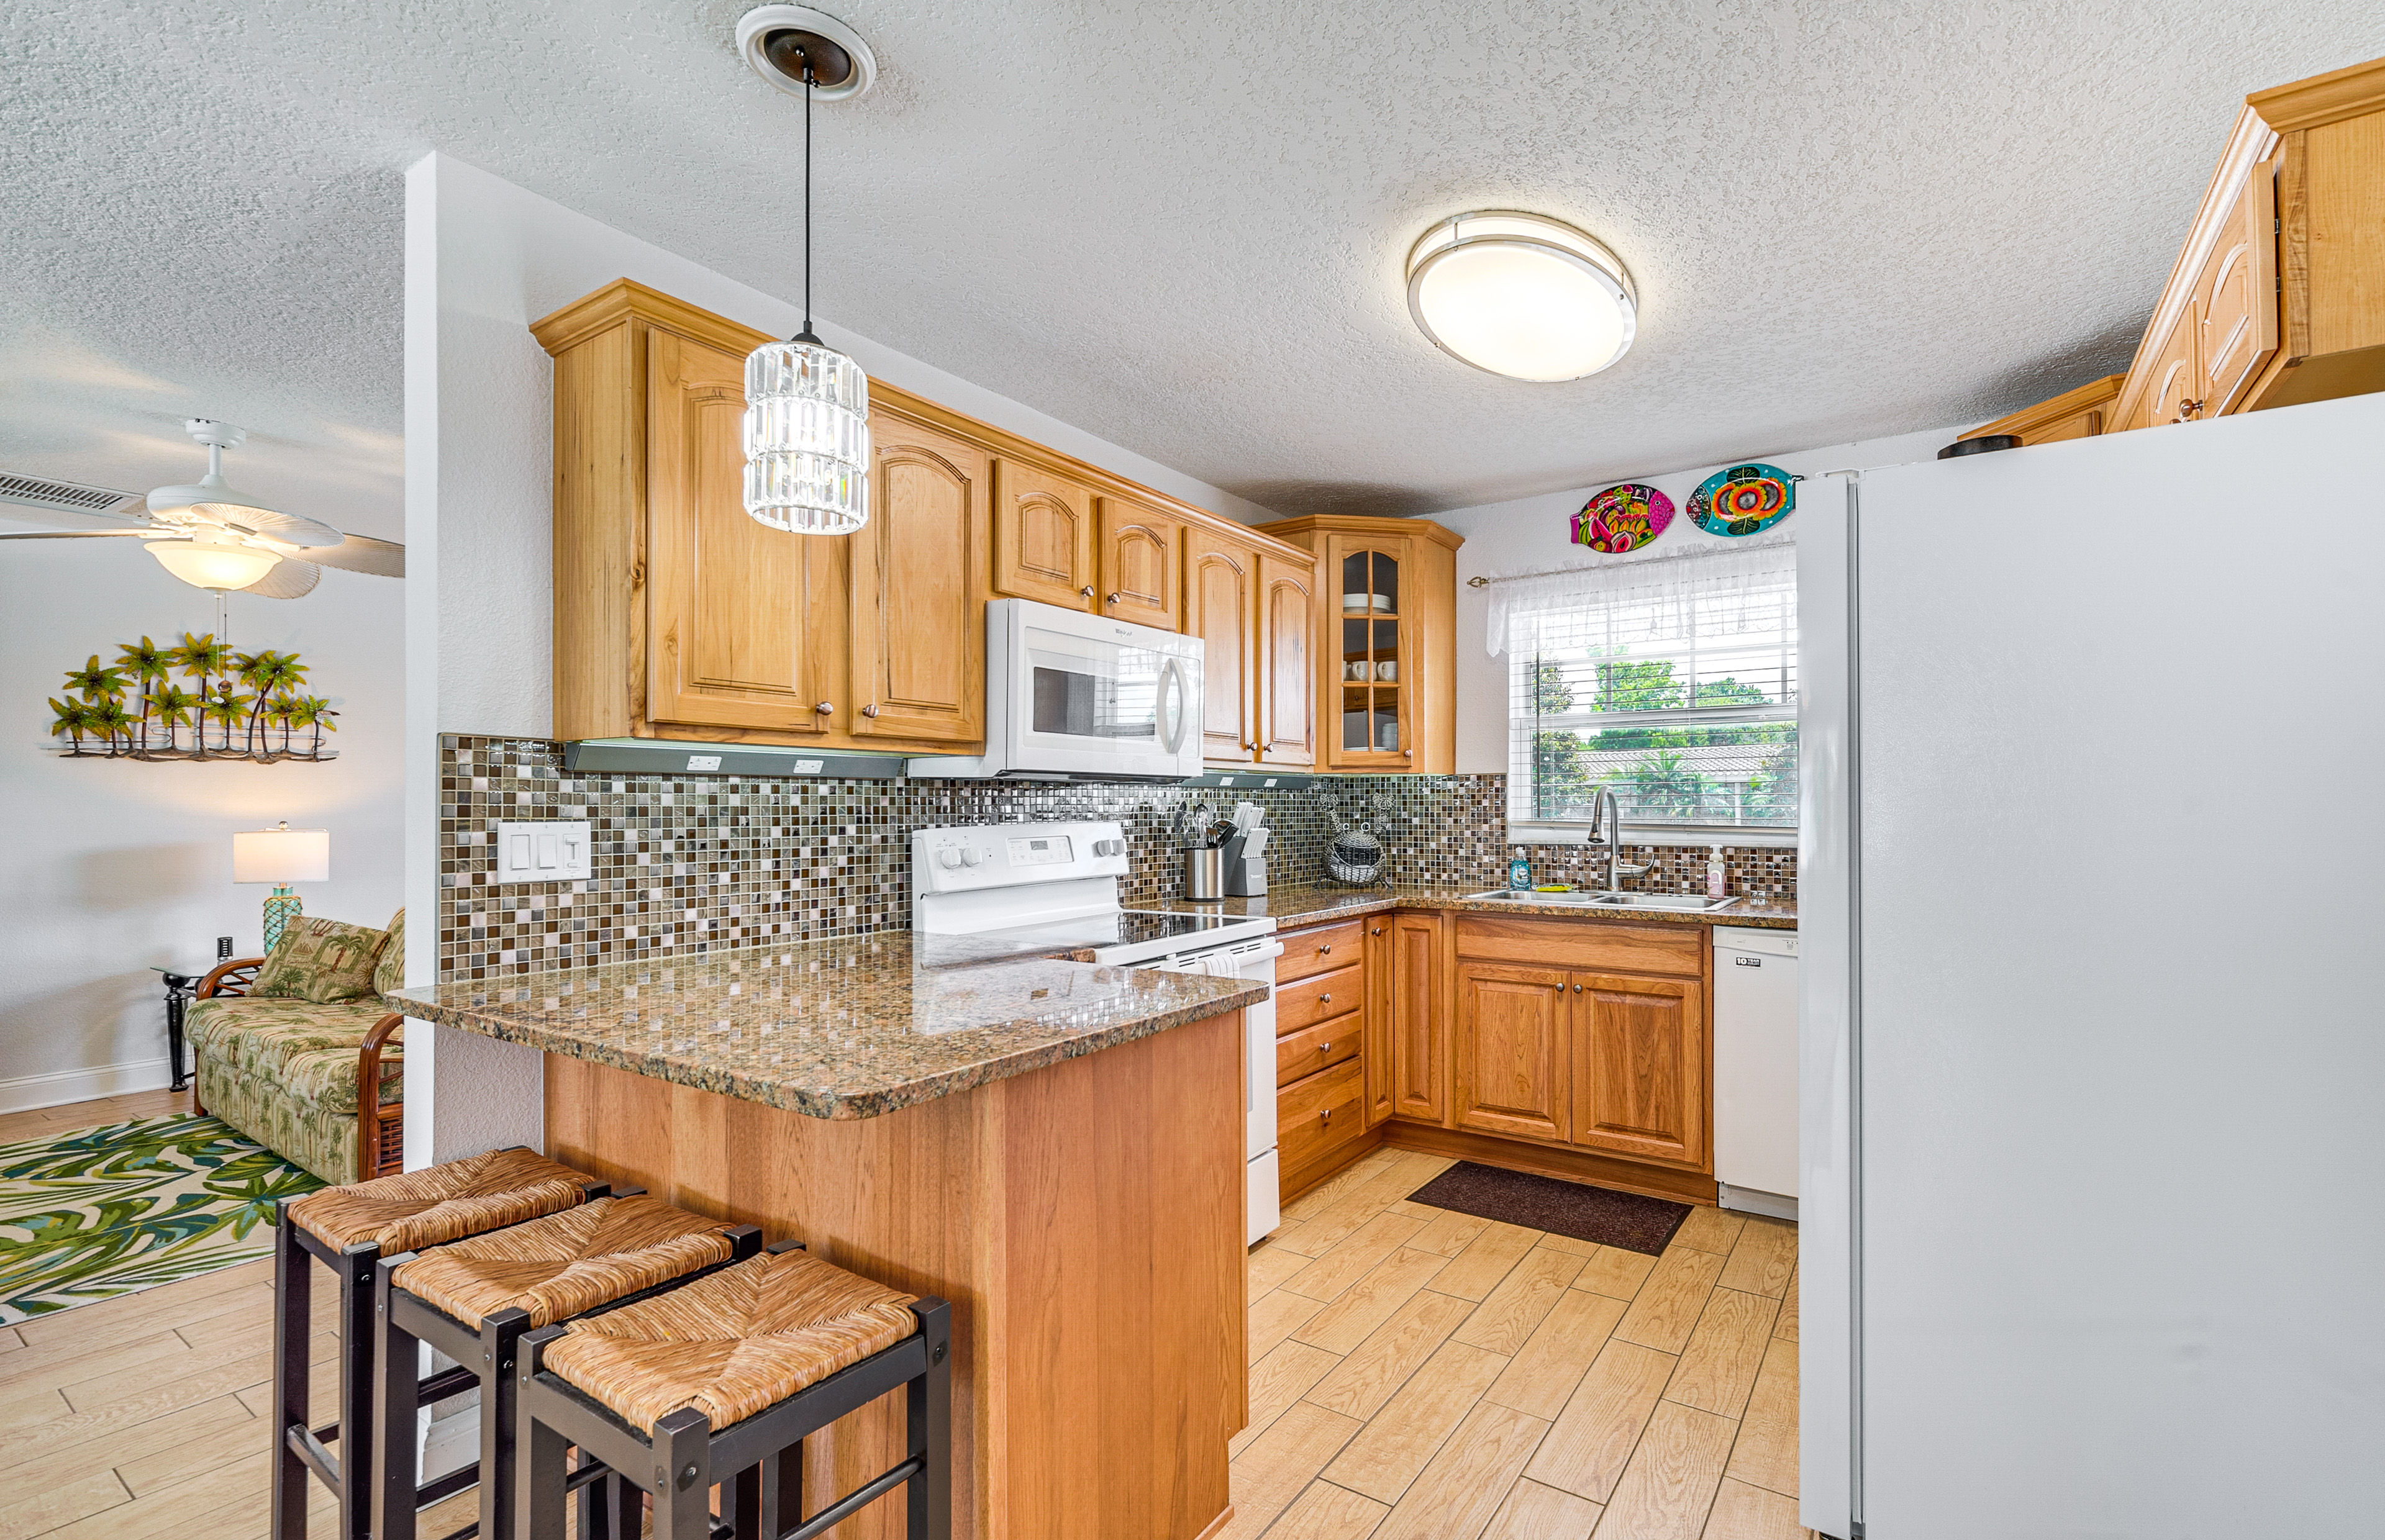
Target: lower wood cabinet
{"x":1378,"y":950}
{"x":1419,"y":1062}
{"x":1639,"y":1068}
{"x":1513,"y":1027}
{"x":1316,"y":1119}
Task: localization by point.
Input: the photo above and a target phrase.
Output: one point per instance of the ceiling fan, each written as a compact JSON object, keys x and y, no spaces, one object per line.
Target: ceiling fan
{"x":207,"y":534}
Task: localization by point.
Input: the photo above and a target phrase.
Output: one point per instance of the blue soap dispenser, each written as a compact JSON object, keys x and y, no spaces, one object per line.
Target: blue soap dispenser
{"x":1519,"y":875}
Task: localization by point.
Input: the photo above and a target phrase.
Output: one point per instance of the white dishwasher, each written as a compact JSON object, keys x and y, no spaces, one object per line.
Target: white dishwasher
{"x":1756,"y":1070}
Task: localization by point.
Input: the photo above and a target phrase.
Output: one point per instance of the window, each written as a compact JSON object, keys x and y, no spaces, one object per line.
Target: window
{"x":1671,"y":680}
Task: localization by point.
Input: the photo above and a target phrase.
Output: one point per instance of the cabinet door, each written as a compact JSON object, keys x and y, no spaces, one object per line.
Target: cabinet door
{"x":1419,"y":1065}
{"x":2171,"y":395}
{"x":1140,"y":579}
{"x":2237,"y":292}
{"x":1640,"y":1067}
{"x":735,"y":610}
{"x":1043,"y":535}
{"x":1287,"y":621}
{"x":1365,"y":665}
{"x":1221,"y":599}
{"x":918,"y":595}
{"x":1378,"y":953}
{"x":1510,"y":1049}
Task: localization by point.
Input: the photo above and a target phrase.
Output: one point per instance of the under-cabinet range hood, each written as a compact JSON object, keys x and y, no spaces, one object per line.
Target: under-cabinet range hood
{"x":649,"y":756}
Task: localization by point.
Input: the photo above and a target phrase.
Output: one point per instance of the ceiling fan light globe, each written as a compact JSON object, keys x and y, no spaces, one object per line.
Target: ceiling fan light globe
{"x":206,"y":563}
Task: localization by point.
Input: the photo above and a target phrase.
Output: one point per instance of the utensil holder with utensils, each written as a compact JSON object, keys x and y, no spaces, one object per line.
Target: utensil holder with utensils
{"x":1204,"y":874}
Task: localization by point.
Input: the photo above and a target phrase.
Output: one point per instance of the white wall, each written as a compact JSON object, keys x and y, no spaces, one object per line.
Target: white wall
{"x":1534,"y":534}
{"x":486,"y":258}
{"x":114,"y":866}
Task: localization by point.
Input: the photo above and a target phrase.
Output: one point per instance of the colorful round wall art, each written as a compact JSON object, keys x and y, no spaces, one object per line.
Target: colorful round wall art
{"x":1622,"y":518}
{"x":1742,"y":500}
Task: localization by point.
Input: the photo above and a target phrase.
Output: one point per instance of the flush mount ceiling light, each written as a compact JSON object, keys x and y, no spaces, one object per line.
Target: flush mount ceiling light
{"x":807,"y":404}
{"x":1521,"y":295}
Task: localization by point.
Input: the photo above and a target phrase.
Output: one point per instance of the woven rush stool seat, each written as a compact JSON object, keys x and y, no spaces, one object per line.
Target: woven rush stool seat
{"x":472,"y":1299}
{"x":349,"y":1229}
{"x":720,"y":1380}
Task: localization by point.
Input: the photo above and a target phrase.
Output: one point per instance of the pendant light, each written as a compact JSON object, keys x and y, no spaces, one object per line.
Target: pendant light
{"x":807,"y":404}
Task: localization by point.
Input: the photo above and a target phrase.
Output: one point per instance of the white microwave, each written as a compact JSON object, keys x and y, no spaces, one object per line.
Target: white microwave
{"x":1070,"y":696}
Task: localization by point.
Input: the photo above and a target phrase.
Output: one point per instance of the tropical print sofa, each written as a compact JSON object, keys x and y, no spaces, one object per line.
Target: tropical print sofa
{"x":296,"y":1051}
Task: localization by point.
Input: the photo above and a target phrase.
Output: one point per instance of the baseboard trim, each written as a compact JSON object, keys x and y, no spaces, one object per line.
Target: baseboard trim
{"x":27,"y":1093}
{"x":1571,"y":1166}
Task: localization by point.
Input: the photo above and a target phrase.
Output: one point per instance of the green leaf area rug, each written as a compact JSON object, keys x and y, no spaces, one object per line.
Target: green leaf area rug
{"x":102,"y":1212}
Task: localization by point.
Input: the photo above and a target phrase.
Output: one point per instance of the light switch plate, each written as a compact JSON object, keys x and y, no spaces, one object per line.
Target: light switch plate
{"x":548,"y":850}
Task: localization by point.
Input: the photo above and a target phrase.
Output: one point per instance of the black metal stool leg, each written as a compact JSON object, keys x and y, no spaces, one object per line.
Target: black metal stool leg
{"x":928,"y":1497}
{"x":293,"y":1312}
{"x":683,"y":1476}
{"x":397,"y":1356}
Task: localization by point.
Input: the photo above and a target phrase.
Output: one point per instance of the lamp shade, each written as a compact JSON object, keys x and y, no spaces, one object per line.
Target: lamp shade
{"x":213,"y":563}
{"x":281,"y":854}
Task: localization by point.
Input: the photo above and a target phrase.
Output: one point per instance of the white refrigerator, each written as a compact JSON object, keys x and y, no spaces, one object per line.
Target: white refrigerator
{"x":2092,"y":1049}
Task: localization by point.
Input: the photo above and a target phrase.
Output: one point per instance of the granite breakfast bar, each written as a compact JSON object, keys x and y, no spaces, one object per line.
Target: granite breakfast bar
{"x":1054,"y":1146}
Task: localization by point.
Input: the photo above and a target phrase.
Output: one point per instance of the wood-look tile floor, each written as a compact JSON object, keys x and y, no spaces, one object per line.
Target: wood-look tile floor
{"x":146,"y":1417}
{"x":1417,"y":1374}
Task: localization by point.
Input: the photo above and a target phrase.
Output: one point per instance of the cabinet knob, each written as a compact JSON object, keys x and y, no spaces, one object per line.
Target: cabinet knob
{"x":1087,"y":592}
{"x":2188,"y":410}
{"x":1114,"y":598}
{"x":826,"y":708}
{"x":869,"y":710}
{"x":1326,"y":947}
{"x":1325,"y":999}
{"x":1377,"y":931}
{"x":1576,"y":989}
{"x":1325,"y":1048}
{"x":1327,"y":1115}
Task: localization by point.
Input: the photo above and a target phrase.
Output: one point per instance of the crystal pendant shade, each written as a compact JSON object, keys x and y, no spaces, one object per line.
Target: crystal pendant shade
{"x":807,"y":439}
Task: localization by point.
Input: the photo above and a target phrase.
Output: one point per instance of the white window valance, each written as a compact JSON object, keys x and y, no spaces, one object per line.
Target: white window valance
{"x":1711,"y":591}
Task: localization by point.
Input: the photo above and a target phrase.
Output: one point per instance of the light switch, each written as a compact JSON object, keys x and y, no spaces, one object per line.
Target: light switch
{"x":552,"y":850}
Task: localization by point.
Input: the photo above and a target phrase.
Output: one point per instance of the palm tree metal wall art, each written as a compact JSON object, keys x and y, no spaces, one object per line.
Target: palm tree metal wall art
{"x":110,"y":709}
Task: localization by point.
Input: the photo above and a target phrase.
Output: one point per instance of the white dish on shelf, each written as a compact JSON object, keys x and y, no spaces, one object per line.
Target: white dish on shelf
{"x":1363,"y":604}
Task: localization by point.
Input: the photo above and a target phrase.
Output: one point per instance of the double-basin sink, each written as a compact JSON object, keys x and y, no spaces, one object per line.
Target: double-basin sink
{"x":1682,"y":903}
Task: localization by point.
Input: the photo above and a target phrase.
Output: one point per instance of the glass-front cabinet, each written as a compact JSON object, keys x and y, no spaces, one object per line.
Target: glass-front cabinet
{"x":1387,"y":594}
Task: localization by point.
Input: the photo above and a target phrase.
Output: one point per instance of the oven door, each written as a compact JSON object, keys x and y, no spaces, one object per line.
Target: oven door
{"x":1093,"y":696}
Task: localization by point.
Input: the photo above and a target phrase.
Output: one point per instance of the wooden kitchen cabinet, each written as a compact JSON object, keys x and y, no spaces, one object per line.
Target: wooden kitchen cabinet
{"x":1142,"y":565}
{"x":2278,"y":295}
{"x":1419,"y":1020}
{"x":1287,"y":718}
{"x":1639,"y":1082}
{"x":2080,"y":414}
{"x":678,"y":617}
{"x":1512,"y":1032}
{"x":1377,"y":951}
{"x":1384,"y":642}
{"x":1043,"y":535}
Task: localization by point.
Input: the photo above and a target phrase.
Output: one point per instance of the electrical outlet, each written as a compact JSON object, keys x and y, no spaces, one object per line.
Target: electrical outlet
{"x":223,"y":948}
{"x":546,"y":850}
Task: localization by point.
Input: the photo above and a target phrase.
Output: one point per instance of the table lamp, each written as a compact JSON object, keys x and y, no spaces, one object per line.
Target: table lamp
{"x":281,"y":855}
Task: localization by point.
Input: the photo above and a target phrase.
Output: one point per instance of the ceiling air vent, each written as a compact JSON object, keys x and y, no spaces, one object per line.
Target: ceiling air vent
{"x":60,"y":497}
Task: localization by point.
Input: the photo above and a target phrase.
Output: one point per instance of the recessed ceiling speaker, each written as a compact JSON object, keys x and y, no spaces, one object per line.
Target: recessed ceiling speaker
{"x":780,"y":42}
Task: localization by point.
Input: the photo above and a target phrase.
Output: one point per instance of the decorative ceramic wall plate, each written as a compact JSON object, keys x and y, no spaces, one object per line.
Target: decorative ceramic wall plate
{"x":1742,"y":500}
{"x":1623,"y":518}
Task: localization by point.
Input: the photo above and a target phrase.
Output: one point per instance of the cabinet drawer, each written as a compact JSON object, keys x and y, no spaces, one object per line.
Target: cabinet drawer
{"x":1317,"y":1048}
{"x":1320,"y":998}
{"x":1319,"y":1114}
{"x":1320,"y":949}
{"x":1584,"y":944}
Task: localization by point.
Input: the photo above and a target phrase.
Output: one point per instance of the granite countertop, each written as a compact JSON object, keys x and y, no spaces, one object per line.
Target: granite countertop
{"x":854,"y":1027}
{"x":1302,"y":906}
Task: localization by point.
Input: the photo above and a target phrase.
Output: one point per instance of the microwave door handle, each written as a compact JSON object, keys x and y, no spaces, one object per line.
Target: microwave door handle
{"x":1173,"y":727}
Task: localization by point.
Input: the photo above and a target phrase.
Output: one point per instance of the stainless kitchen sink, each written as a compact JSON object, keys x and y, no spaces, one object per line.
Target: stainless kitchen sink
{"x":1684,"y":904}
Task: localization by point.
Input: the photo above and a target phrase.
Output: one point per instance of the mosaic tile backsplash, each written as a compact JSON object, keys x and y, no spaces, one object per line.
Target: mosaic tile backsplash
{"x":685,"y":864}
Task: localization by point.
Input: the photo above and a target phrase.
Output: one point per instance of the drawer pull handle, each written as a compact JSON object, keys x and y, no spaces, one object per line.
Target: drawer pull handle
{"x":1327,"y":1115}
{"x":1325,"y":999}
{"x":1325,"y":1048}
{"x":1326,"y":947}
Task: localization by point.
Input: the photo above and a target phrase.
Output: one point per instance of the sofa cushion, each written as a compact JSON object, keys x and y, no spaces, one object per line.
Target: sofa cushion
{"x":320,"y":961}
{"x":388,"y":972}
{"x":307,"y":1049}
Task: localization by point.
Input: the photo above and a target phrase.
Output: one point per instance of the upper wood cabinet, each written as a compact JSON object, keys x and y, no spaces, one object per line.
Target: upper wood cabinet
{"x":1043,"y":535}
{"x":1639,"y":1078}
{"x":678,"y":617}
{"x":734,"y":640}
{"x":1386,"y":659}
{"x":916,"y":614}
{"x":2080,"y":414}
{"x":1419,"y":1019}
{"x":1142,"y":565}
{"x":2278,"y":294}
{"x":1287,"y":716}
{"x":1510,"y":1050}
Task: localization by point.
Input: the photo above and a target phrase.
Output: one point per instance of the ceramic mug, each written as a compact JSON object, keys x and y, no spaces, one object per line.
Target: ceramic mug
{"x":1355,"y":672}
{"x":1387,"y":671}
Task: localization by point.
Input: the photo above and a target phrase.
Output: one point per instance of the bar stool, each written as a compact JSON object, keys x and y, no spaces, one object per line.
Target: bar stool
{"x":472,"y":1300}
{"x":349,"y":1228}
{"x":722,"y":1379}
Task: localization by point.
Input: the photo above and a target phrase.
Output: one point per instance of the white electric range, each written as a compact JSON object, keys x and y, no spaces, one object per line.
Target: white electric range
{"x":1051,"y":888}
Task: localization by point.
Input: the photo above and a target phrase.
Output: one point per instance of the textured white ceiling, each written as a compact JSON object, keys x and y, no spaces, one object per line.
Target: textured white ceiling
{"x":1178,"y":227}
